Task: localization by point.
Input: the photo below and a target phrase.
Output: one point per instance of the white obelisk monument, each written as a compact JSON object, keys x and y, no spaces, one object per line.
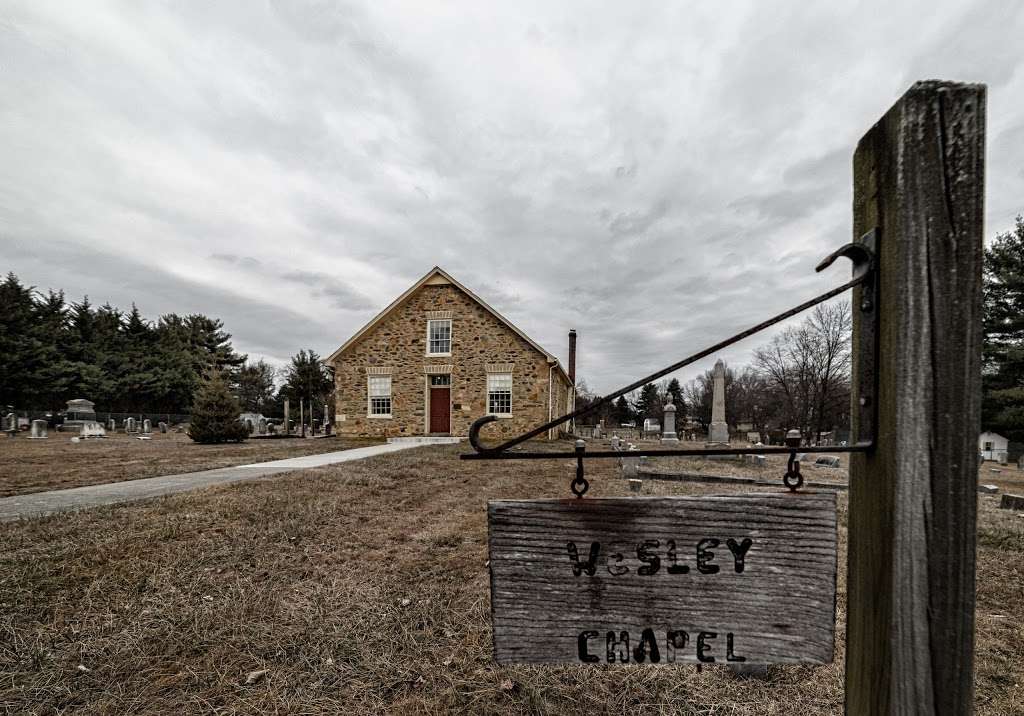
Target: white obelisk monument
{"x":718,"y":431}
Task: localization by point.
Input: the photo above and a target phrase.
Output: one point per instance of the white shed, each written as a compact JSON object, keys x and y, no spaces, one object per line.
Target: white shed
{"x":992,"y":446}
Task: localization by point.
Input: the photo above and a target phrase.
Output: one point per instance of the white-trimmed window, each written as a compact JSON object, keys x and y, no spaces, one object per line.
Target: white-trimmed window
{"x":439,"y":337}
{"x":499,"y":393}
{"x":378,"y":390}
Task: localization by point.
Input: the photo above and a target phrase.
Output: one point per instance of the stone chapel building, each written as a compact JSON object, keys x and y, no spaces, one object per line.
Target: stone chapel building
{"x":437,"y":359}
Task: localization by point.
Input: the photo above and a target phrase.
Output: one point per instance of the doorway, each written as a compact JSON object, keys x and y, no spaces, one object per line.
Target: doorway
{"x":440,"y":389}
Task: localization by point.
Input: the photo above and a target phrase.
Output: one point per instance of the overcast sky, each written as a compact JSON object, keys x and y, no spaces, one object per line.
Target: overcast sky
{"x":655,"y":175}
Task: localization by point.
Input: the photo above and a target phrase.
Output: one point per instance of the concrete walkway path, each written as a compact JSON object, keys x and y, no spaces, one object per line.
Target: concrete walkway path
{"x":44,"y":503}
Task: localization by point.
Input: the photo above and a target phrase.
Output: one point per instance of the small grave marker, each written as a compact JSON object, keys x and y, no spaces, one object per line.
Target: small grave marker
{"x":1012,"y":502}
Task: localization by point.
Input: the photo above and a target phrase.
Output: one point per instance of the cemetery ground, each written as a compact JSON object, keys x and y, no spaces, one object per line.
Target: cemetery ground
{"x":364,"y":588}
{"x":56,"y":463}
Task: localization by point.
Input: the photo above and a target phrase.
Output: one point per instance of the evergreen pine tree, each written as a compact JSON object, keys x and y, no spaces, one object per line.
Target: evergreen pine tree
{"x":1002,"y":404}
{"x":675,"y":391}
{"x":215,"y":414}
{"x":648,"y":405}
{"x":309,"y":379}
{"x":622,"y":413}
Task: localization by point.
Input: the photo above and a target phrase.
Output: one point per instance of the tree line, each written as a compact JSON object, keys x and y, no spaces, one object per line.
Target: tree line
{"x":801,"y":379}
{"x":52,"y":351}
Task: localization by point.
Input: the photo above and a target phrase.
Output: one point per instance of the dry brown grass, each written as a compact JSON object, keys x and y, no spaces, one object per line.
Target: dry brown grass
{"x":363,"y":588}
{"x":1008,"y":478}
{"x":56,"y":463}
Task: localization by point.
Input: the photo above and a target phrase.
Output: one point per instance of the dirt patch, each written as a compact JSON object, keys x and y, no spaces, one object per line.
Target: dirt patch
{"x":363,"y":588}
{"x":56,"y":463}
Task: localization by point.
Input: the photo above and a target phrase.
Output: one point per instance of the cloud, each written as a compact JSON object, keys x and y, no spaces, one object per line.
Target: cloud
{"x":322,"y":285}
{"x":247,"y":262}
{"x":655,"y":178}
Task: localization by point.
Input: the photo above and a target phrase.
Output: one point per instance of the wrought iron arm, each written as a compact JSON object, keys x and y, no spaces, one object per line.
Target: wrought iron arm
{"x":861,"y":254}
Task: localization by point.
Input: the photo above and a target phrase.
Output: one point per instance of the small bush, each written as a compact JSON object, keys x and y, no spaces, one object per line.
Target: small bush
{"x":215,"y":414}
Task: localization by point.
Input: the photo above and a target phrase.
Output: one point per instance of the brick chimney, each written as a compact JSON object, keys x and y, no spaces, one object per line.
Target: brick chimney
{"x":572,"y":356}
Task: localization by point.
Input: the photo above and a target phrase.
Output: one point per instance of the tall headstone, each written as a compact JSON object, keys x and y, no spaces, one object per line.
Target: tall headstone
{"x":327,"y":419}
{"x":111,"y":425}
{"x":163,"y":426}
{"x":38,"y":430}
{"x":718,"y":432}
{"x":668,"y":433}
{"x":129,"y":425}
{"x":287,"y":424}
{"x":147,"y":426}
{"x":261,"y":426}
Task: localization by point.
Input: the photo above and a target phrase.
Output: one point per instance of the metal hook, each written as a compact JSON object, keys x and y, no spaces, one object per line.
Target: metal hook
{"x":579,"y":485}
{"x":474,"y":433}
{"x":861,"y":253}
{"x":793,"y":479}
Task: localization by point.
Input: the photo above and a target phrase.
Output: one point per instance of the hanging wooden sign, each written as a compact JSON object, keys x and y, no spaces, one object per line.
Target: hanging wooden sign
{"x":661,"y":580}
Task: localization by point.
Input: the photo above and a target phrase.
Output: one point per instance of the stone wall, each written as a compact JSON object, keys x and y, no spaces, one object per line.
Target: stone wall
{"x":398,"y":343}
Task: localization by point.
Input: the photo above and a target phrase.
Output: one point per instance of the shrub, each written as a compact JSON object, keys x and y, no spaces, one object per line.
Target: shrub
{"x":215,"y":414}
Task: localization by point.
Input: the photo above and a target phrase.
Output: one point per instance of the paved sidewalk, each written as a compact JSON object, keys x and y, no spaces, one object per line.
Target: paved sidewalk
{"x":44,"y":503}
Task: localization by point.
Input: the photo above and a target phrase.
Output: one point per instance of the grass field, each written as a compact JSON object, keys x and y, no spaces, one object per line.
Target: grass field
{"x":56,"y":463}
{"x":363,"y":588}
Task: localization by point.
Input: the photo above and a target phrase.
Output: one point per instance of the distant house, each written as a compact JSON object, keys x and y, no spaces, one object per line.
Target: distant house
{"x":993,"y":446}
{"x":437,"y":359}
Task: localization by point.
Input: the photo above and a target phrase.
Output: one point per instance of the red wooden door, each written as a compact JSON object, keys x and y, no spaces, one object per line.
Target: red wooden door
{"x":440,"y":416}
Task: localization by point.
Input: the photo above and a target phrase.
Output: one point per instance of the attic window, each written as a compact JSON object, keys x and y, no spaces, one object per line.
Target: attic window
{"x":439,"y":337}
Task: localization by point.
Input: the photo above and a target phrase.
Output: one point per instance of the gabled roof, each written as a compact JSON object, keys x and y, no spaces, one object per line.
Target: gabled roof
{"x":438,"y":276}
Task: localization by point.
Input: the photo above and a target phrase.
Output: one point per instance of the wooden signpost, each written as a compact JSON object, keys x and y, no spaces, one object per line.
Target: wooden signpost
{"x":660,"y":580}
{"x":751,"y":579}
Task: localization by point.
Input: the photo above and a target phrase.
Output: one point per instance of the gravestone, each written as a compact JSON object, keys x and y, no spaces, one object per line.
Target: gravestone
{"x":630,"y":466}
{"x":718,"y":431}
{"x":92,"y":430}
{"x":163,"y":426}
{"x":651,"y":426}
{"x":635,"y":485}
{"x":753,"y":438}
{"x":827,"y":461}
{"x":261,"y":426}
{"x":77,"y":413}
{"x":111,"y":425}
{"x":38,"y":430}
{"x":1012,"y":502}
{"x":988,"y":489}
{"x":668,"y":433}
{"x":129,"y":426}
{"x":286,"y":425}
{"x":147,"y":427}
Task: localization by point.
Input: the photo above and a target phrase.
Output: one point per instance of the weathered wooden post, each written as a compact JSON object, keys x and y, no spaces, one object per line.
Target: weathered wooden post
{"x":918,"y":178}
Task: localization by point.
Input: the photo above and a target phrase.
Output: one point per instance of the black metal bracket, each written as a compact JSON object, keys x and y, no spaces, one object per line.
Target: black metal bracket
{"x":862,"y":254}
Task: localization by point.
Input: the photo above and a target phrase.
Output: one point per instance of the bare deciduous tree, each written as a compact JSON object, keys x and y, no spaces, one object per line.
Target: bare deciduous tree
{"x":809,"y":367}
